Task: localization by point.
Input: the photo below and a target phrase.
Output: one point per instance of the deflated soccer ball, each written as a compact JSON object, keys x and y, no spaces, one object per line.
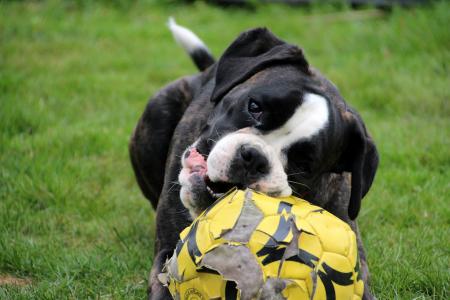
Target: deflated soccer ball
{"x":248,"y":245}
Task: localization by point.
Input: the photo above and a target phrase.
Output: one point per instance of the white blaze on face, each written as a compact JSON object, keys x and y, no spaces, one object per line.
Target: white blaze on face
{"x":308,"y":119}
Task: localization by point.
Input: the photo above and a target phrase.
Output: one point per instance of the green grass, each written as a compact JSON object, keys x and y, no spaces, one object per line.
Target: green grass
{"x":74,"y":79}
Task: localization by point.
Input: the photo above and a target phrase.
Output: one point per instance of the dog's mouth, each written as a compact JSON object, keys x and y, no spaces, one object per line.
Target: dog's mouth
{"x":195,"y":175}
{"x":206,"y":177}
{"x":219,"y":189}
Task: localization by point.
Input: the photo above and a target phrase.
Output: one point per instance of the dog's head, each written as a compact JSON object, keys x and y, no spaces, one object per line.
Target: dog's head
{"x":277,"y":127}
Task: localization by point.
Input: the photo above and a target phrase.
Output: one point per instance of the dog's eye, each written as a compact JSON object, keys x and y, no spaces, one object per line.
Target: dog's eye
{"x":255,"y":109}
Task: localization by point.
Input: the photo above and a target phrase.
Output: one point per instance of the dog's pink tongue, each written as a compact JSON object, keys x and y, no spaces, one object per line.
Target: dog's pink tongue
{"x":196,"y":162}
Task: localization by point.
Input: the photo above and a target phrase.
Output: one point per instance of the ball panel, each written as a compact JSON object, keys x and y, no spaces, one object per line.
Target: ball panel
{"x":185,"y":265}
{"x":333,"y":263}
{"x":294,"y":270}
{"x":304,"y":225}
{"x":332,"y":231}
{"x":296,"y":289}
{"x":269,"y":244}
{"x":311,"y":244}
{"x":302,"y":209}
{"x":185,"y":232}
{"x":282,"y":205}
{"x":352,"y":254}
{"x":204,"y":239}
{"x":336,"y":276}
{"x":278,"y":227}
{"x":359,"y":289}
{"x":203,"y":287}
{"x":224,"y":215}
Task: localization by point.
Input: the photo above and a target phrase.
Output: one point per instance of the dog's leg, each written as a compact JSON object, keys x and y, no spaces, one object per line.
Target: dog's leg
{"x":165,"y":130}
{"x":171,"y":218}
{"x":156,"y":291}
{"x":151,"y":138}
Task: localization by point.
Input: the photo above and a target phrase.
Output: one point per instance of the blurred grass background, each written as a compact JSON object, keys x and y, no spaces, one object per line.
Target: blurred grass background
{"x":74,"y":79}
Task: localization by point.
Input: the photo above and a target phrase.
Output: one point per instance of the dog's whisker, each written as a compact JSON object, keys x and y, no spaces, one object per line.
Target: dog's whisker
{"x":298,"y":173}
{"x":180,"y":212}
{"x":299,"y":183}
{"x":217,"y":133}
{"x":296,"y":194}
{"x":173,"y":184}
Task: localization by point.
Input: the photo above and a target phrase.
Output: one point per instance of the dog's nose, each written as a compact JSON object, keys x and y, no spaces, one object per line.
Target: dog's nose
{"x":254,"y":162}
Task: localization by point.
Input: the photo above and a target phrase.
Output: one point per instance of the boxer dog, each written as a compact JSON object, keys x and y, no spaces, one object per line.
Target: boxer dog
{"x":260,"y":117}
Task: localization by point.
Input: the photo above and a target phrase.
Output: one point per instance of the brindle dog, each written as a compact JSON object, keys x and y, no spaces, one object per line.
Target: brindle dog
{"x":260,"y":117}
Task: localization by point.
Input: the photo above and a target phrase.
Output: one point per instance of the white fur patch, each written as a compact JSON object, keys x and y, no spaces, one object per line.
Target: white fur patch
{"x":309,"y":118}
{"x":184,"y":37}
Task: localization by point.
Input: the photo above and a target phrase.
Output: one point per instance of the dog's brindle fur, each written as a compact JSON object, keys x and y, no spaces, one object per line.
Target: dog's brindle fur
{"x":176,"y":117}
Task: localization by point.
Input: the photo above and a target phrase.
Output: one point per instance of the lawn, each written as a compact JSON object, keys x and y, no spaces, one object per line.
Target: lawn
{"x":75,"y":77}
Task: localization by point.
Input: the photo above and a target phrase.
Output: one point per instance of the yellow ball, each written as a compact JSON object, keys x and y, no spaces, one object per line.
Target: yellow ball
{"x":248,"y":245}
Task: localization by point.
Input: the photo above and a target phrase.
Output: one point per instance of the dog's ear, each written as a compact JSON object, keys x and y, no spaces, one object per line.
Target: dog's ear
{"x":251,"y":52}
{"x":361,"y":159}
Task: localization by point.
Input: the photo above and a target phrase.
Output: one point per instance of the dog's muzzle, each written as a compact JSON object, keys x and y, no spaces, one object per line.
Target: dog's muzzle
{"x":237,"y":160}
